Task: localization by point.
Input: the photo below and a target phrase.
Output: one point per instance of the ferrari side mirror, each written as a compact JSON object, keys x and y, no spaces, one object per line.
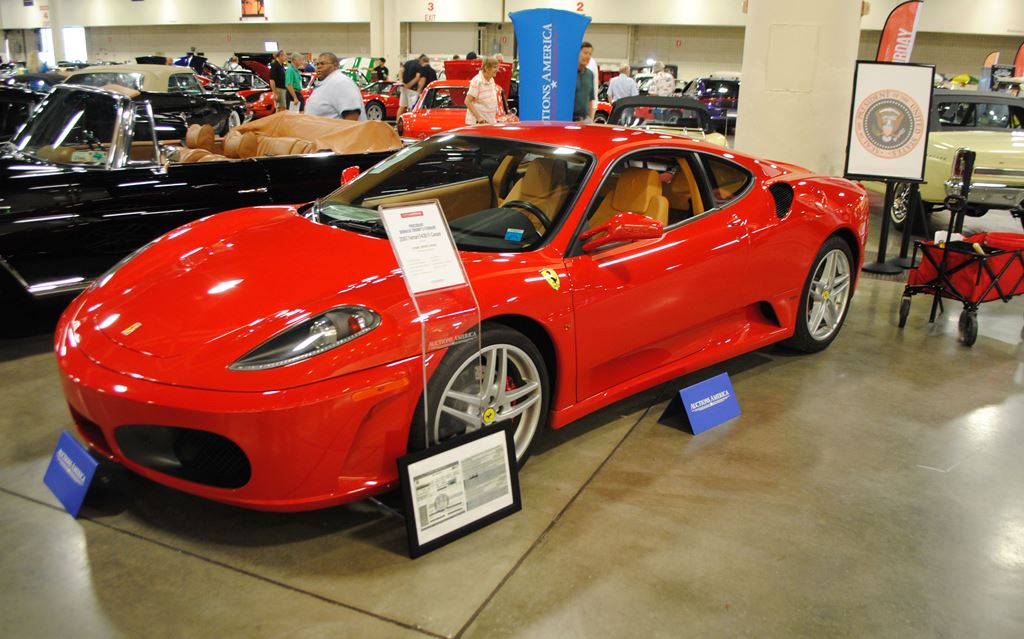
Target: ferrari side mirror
{"x":624,"y":227}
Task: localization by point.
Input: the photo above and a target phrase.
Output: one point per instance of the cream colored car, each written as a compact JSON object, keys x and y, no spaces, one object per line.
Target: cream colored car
{"x":991,"y":125}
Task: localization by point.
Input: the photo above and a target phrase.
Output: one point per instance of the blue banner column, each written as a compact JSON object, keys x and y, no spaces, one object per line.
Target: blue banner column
{"x":549,"y":51}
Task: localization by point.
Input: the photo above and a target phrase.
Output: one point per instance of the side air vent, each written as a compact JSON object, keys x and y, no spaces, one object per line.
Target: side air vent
{"x":782,"y":193}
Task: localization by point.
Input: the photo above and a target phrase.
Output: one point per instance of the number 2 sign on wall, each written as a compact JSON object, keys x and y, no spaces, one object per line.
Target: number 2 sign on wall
{"x":579,"y":7}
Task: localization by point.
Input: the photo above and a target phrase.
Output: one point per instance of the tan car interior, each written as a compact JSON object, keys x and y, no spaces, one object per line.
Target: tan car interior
{"x":637,"y":190}
{"x":683,"y":194}
{"x":544,"y":185}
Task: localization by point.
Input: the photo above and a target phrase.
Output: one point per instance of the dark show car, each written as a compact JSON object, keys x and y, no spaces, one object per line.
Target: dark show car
{"x":720,"y":94}
{"x":94,"y":176}
{"x":171,"y":90}
{"x":16,"y":104}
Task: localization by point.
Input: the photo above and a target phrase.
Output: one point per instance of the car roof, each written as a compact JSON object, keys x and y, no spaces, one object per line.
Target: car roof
{"x":156,"y":76}
{"x":977,"y":96}
{"x":597,"y":139}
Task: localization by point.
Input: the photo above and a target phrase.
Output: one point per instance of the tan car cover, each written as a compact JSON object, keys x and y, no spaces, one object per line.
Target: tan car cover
{"x":340,"y":136}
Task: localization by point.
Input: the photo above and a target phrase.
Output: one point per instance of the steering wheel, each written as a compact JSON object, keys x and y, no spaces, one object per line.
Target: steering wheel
{"x":531,"y":208}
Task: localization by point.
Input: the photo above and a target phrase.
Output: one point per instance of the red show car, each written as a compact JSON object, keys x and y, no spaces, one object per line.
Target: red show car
{"x":271,"y":357}
{"x":442,"y":107}
{"x":380,"y":100}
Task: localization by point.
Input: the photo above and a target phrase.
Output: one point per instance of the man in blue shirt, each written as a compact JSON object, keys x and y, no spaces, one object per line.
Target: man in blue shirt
{"x":622,"y":86}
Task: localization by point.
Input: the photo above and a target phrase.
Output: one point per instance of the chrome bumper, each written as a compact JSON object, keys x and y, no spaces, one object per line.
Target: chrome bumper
{"x":990,"y":194}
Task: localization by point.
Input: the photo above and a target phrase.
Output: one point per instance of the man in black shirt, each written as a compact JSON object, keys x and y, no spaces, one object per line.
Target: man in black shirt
{"x":277,"y":80}
{"x":380,"y":71}
{"x":427,"y":71}
{"x":412,"y":81}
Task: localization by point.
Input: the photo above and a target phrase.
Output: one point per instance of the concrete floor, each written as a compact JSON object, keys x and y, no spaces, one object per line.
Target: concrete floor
{"x":873,"y":490}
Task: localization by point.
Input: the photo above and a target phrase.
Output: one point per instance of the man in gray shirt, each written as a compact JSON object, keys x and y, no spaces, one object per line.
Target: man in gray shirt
{"x":337,"y":96}
{"x":622,"y":86}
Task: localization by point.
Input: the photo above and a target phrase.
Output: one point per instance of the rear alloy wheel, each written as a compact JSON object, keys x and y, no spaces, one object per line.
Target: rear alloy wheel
{"x":825,"y":298}
{"x":375,"y":111}
{"x":231,"y":122}
{"x":514,"y":389}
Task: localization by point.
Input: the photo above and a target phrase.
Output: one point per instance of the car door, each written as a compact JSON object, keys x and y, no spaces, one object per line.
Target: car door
{"x":643,"y":305}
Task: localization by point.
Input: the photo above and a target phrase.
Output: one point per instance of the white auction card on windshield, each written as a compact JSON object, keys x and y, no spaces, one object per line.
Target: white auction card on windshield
{"x":423,"y":245}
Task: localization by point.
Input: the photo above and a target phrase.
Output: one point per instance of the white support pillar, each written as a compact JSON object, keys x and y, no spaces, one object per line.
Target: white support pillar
{"x":798,"y":62}
{"x":385,"y":33}
{"x":57,"y":29}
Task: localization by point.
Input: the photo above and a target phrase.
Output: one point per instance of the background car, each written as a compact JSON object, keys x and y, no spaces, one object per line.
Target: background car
{"x":990,"y":124}
{"x":442,"y":107}
{"x":380,"y":99}
{"x":94,"y":176}
{"x":721,"y":94}
{"x":270,"y":358}
{"x":41,"y":82}
{"x":677,"y":115}
{"x":16,"y":104}
{"x":170,"y":90}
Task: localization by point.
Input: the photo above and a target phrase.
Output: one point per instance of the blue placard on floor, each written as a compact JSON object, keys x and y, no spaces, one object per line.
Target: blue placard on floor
{"x":70,"y":472}
{"x":709,"y":403}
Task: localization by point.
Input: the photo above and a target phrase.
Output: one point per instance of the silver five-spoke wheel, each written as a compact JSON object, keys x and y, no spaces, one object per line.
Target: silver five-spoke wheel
{"x":829,"y":295}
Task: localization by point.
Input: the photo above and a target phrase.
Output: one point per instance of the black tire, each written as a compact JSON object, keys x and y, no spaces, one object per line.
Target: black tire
{"x":962,"y":322}
{"x":600,"y":117}
{"x":900,"y":205}
{"x":970,"y":334}
{"x":375,"y":110}
{"x":904,"y":311}
{"x":456,"y":360}
{"x":802,"y":339}
{"x":232,"y":120}
{"x":973,"y":210}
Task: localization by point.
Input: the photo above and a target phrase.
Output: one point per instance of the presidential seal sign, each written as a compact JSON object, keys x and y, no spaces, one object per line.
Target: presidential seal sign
{"x":889,"y":123}
{"x":709,"y":403}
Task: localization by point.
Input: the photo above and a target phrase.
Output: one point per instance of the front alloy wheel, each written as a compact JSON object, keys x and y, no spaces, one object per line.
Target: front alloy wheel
{"x":825,"y":298}
{"x":374,"y":111}
{"x":506,"y":382}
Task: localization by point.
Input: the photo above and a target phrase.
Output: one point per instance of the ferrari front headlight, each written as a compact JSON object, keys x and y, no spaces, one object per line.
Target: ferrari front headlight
{"x":309,"y":338}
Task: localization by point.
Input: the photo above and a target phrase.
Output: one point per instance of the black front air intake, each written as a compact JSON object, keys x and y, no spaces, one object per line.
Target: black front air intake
{"x":193,"y":455}
{"x":782,"y":193}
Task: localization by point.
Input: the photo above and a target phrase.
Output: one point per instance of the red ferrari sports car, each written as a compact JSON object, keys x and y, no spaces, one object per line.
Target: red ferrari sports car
{"x":442,"y":107}
{"x":271,"y":357}
{"x":380,"y":99}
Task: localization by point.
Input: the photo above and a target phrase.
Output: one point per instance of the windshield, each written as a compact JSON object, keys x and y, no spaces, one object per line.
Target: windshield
{"x":669,"y":117}
{"x":718,"y":89}
{"x":498,"y":195}
{"x":71,"y":127}
{"x":445,"y":98}
{"x":130,"y":80}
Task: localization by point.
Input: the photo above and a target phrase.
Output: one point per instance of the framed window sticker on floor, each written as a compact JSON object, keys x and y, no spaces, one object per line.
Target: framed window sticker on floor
{"x":458,"y":487}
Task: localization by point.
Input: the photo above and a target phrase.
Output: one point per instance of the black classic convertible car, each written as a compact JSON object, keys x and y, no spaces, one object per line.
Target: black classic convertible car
{"x":94,"y":175}
{"x":171,"y":90}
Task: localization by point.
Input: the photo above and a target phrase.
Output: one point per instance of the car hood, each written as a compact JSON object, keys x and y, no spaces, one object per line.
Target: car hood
{"x":200,"y":297}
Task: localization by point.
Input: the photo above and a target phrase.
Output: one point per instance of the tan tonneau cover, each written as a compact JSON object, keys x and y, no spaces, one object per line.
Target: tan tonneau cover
{"x":340,"y":136}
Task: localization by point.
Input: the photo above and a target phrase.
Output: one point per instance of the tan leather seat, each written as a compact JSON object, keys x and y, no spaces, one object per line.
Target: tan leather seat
{"x":544,"y":186}
{"x":249,"y":145}
{"x":212,"y":157}
{"x":187,"y":156}
{"x":231,"y":143}
{"x":637,"y":191}
{"x":682,"y":194}
{"x":200,"y":136}
{"x":304,"y":146}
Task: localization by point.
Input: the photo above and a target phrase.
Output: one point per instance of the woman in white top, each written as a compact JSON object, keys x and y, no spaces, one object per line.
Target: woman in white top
{"x":482,"y":97}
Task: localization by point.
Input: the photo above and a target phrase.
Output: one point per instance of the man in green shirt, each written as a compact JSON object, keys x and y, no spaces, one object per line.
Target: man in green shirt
{"x":293,"y":81}
{"x":583,"y":108}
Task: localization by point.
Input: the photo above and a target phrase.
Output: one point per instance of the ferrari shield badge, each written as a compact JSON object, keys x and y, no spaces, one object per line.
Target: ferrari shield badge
{"x":551,"y":277}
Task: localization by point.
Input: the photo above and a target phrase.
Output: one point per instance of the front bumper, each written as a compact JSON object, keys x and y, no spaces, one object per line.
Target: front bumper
{"x":989,"y":194}
{"x":308,"y":447}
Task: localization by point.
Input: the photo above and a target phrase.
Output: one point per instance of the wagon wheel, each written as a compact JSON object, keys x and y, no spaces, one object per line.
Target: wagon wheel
{"x":970,"y":334}
{"x":904,"y":311}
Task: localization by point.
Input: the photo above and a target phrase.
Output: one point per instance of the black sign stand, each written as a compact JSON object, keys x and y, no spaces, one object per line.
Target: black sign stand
{"x":880,"y":265}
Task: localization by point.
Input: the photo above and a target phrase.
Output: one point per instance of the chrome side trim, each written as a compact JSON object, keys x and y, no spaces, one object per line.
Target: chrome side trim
{"x":46,"y":289}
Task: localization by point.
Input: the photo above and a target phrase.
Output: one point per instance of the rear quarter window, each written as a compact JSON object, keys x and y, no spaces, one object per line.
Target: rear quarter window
{"x":727,"y":181}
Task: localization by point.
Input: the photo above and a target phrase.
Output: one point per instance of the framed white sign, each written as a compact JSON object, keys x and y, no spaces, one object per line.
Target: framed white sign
{"x":424,"y":246}
{"x":458,"y":487}
{"x":888,"y":134}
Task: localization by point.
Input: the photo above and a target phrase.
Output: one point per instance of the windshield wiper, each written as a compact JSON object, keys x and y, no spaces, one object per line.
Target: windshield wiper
{"x":374,"y":226}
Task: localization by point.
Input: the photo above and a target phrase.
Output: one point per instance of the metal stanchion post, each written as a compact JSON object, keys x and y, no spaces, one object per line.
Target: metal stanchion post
{"x":879,"y":265}
{"x":915,"y":211}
